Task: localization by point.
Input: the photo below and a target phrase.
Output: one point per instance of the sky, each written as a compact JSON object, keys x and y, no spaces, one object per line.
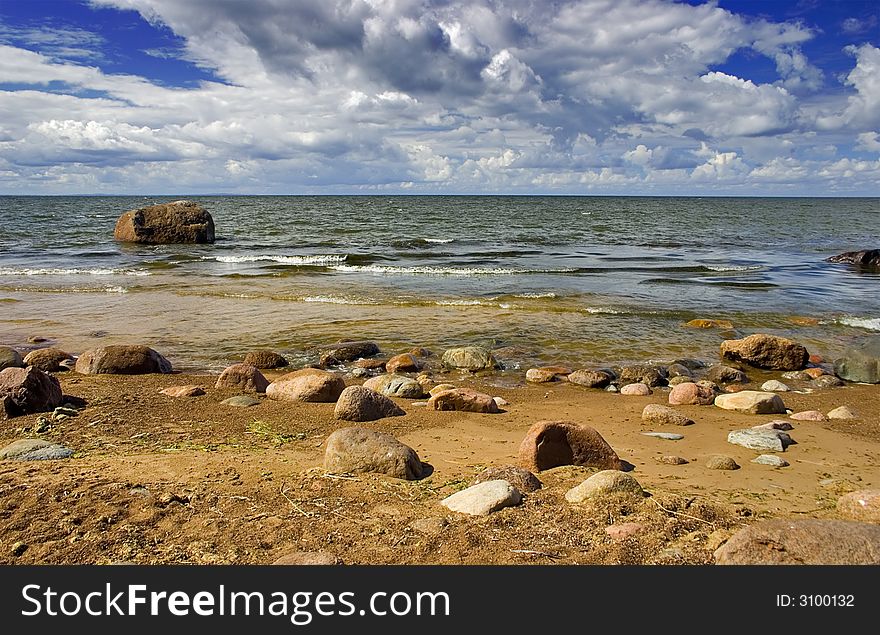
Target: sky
{"x":579,"y":97}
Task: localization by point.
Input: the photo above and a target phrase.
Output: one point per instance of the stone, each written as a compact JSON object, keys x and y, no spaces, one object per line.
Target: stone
{"x":308,"y":385}
{"x":242,"y":377}
{"x":808,"y":415}
{"x":28,"y":390}
{"x":828,"y":381}
{"x":370,"y":364}
{"x":710,"y":324}
{"x":797,"y":375}
{"x":671,"y":459}
{"x":500,"y":401}
{"x":770,"y":459}
{"x":520,"y":478}
{"x":357,"y":403}
{"x":604,"y":483}
{"x":843,"y":412}
{"x":362,"y":450}
{"x":664,"y":415}
{"x":860,"y":363}
{"x":690,"y":364}
{"x":721,"y":462}
{"x":774,"y":425}
{"x":470,"y":358}
{"x":122,"y":360}
{"x":303,"y":558}
{"x":690,"y":393}
{"x":667,"y":436}
{"x":396,"y":386}
{"x":547,"y":374}
{"x":463,"y":399}
{"x":774,"y":386}
{"x":721,"y":374}
{"x":590,"y":378}
{"x":803,"y":541}
{"x":752,"y":402}
{"x":241,"y":401}
{"x":345,"y":352}
{"x":678,"y":370}
{"x":405,"y":363}
{"x":420,"y":351}
{"x":863,"y":505}
{"x":265,"y":359}
{"x":651,"y":376}
{"x":34,"y":450}
{"x":183,"y":391}
{"x":611,"y":388}
{"x":766,"y":351}
{"x":47,"y":359}
{"x":483,"y":499}
{"x":179,"y":222}
{"x":549,"y":444}
{"x":815,"y":373}
{"x":432,"y":526}
{"x":440,"y":388}
{"x":866,"y":258}
{"x":680,"y":379}
{"x":761,"y":440}
{"x":635,"y":390}
{"x":10,"y":358}
{"x":622,"y":531}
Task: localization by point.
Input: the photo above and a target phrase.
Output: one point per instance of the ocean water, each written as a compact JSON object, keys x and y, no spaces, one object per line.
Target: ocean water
{"x":573,"y":280}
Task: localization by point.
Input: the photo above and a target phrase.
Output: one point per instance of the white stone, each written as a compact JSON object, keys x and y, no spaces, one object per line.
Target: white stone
{"x":483,"y":498}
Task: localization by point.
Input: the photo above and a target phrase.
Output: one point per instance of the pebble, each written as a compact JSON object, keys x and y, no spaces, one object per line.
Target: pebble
{"x":611,"y":388}
{"x":636,"y":390}
{"x":772,"y":440}
{"x":669,"y":436}
{"x":843,"y":412}
{"x":721,"y":462}
{"x":774,"y":386}
{"x":770,"y":459}
{"x":483,"y":498}
{"x":808,"y":415}
{"x":241,"y":401}
{"x":671,"y":459}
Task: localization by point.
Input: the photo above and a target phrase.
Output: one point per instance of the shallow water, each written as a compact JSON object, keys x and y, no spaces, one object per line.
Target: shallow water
{"x":546,"y":279}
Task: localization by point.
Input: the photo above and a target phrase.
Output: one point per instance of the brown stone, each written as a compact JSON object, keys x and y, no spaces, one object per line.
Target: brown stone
{"x":345,"y":352}
{"x":183,"y":391}
{"x":590,"y":378}
{"x":766,"y":351}
{"x":520,"y":478}
{"x":710,"y":324}
{"x":265,"y":359}
{"x":242,"y":377}
{"x":690,"y":393}
{"x":671,"y":459}
{"x":721,"y":374}
{"x":721,"y":462}
{"x":405,"y":363}
{"x":815,"y":373}
{"x":308,"y":385}
{"x":370,"y":364}
{"x":651,"y":376}
{"x":549,"y":444}
{"x":543,"y":375}
{"x":28,"y":390}
{"x":463,"y":399}
{"x":168,"y":223}
{"x":357,"y":403}
{"x":863,"y":505}
{"x":803,"y":541}
{"x":122,"y":360}
{"x":362,"y":450}
{"x":48,"y":359}
{"x":665,"y":416}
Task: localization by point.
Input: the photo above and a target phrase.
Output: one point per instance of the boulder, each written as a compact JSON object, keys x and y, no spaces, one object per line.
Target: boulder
{"x":357,"y":403}
{"x":860,"y":364}
{"x":405,"y":363}
{"x":690,"y":393}
{"x":122,"y":360}
{"x":664,"y":416}
{"x":265,"y":359}
{"x":470,"y":358}
{"x":762,"y":440}
{"x":651,"y":376}
{"x":396,"y":386}
{"x":483,"y":499}
{"x":520,"y":478}
{"x":721,"y":374}
{"x":362,"y":450}
{"x":550,"y":444}
{"x":28,"y":390}
{"x":635,"y":390}
{"x":721,"y":462}
{"x":167,"y":223}
{"x":591,"y":378}
{"x":866,"y":258}
{"x":183,"y":391}
{"x":34,"y":450}
{"x":242,"y":377}
{"x":751,"y":402}
{"x":463,"y":399}
{"x":309,"y":385}
{"x":605,"y":483}
{"x":803,"y":541}
{"x":863,"y":505}
{"x":344,"y":352}
{"x":766,"y":351}
{"x":10,"y":358}
{"x":48,"y":359}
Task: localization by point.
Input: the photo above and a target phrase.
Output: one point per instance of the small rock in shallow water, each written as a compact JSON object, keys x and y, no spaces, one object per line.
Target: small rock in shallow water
{"x":721,"y":374}
{"x":669,"y":436}
{"x":241,"y":401}
{"x":635,"y":390}
{"x":771,"y":440}
{"x":671,"y":459}
{"x":774,"y":386}
{"x":796,"y":375}
{"x":843,"y":412}
{"x":808,"y":415}
{"x":483,"y":499}
{"x":721,"y":462}
{"x":770,"y":459}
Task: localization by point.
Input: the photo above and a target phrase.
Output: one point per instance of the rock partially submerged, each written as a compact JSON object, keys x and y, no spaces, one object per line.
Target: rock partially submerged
{"x":345,"y":352}
{"x":866,"y":258}
{"x":860,"y":364}
{"x":766,"y":351}
{"x":265,"y":359}
{"x":122,"y":360}
{"x":550,"y":444}
{"x":167,"y":223}
{"x":470,"y":358}
{"x":362,"y":450}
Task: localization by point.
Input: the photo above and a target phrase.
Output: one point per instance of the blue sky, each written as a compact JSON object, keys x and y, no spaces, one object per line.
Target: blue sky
{"x":368,"y":96}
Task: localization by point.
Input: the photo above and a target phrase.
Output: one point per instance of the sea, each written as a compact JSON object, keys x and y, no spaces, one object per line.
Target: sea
{"x":578,"y":281}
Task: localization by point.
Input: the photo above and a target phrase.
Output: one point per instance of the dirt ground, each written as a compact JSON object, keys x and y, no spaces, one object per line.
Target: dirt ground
{"x":160,"y":480}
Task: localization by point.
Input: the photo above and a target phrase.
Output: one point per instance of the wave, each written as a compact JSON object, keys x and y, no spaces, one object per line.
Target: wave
{"x":534,"y":295}
{"x":443,"y":271}
{"x":15,"y":271}
{"x":871,"y":324}
{"x":334,"y":299}
{"x":439,"y":241}
{"x":734,"y":267}
{"x":108,"y":289}
{"x":321,"y":259}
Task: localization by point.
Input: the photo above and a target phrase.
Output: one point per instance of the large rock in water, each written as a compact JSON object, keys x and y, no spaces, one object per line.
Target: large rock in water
{"x":860,"y":364}
{"x":167,"y":223}
{"x":308,"y":385}
{"x":122,"y":360}
{"x":549,"y":444}
{"x":265,"y":359}
{"x":48,"y":359}
{"x":472,"y":358}
{"x":803,"y":541}
{"x":766,"y":351}
{"x":357,"y":403}
{"x":344,"y":352}
{"x":362,"y":450}
{"x":752,"y":402}
{"x":868,"y":258}
{"x":242,"y":377}
{"x":10,"y":358}
{"x":28,"y":390}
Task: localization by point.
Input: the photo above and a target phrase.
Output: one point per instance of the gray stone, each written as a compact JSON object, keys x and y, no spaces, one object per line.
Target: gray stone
{"x":241,"y":401}
{"x":773,"y":385}
{"x":483,"y":499}
{"x":344,"y":352}
{"x":721,"y":374}
{"x":651,"y":376}
{"x":751,"y":402}
{"x":604,"y":483}
{"x":471,"y":358}
{"x":10,"y":358}
{"x":770,"y":459}
{"x":860,"y":363}
{"x":357,"y":403}
{"x":678,"y":370}
{"x":827,"y":381}
{"x":669,"y":436}
{"x":396,"y":386}
{"x":761,"y":440}
{"x":34,"y":450}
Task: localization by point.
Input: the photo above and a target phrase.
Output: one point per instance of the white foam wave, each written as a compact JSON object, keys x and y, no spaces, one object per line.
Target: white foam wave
{"x":733,"y":267}
{"x":439,"y":241}
{"x":461,"y":303}
{"x":601,"y":310}
{"x":320,"y":259}
{"x":871,"y":324}
{"x":14,"y":271}
{"x":334,"y":299}
{"x":534,"y":295}
{"x":442,"y":271}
